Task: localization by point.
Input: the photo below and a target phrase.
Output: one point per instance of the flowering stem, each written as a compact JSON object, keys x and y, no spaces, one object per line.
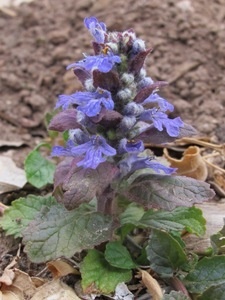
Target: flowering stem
{"x":106,"y":203}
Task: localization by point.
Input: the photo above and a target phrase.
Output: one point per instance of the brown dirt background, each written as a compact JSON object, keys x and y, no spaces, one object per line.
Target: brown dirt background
{"x":43,"y":37}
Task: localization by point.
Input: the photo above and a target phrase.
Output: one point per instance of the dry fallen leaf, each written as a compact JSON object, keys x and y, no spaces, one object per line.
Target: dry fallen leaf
{"x":8,"y":295}
{"x":219,"y":179}
{"x":152,"y":285}
{"x":56,"y":290}
{"x":11,"y":177}
{"x":61,"y":268}
{"x":7,"y":277}
{"x":191,"y":164}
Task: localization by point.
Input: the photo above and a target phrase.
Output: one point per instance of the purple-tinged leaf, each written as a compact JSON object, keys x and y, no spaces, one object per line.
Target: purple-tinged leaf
{"x":151,"y":135}
{"x":137,"y":61}
{"x":187,"y":131}
{"x":109,"y":81}
{"x":107,"y":118}
{"x":75,"y":185}
{"x":57,"y":232}
{"x":167,"y":192}
{"x":64,"y":120}
{"x":146,"y":92}
{"x":82,"y":74}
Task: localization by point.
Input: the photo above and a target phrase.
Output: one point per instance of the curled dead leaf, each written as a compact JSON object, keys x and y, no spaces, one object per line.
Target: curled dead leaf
{"x":152,"y":285}
{"x":191,"y":164}
{"x":61,"y":268}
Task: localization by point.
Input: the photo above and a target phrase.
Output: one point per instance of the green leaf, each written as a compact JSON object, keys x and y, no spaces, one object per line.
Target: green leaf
{"x":132,"y":214}
{"x":174,"y":295}
{"x":215,"y":292}
{"x":22,"y":211}
{"x":167,"y":192}
{"x":165,"y":253}
{"x":180,"y":218}
{"x":209,"y":271}
{"x":118,"y":256}
{"x":218,"y":242}
{"x":39,"y":170}
{"x":58,"y":232}
{"x":98,"y":276}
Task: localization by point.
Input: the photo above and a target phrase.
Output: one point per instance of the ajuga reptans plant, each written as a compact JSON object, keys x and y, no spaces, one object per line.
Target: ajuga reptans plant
{"x":109,"y":122}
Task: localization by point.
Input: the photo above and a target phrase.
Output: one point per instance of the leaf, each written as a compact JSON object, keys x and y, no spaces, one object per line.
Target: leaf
{"x":152,"y":285}
{"x":118,"y":256}
{"x":55,"y":289}
{"x":22,"y":211}
{"x":58,"y":232}
{"x":132,"y":214}
{"x":135,"y":65}
{"x":191,"y":164}
{"x":60,"y":268}
{"x":74,"y":185}
{"x":215,"y":292}
{"x":167,"y":192}
{"x":189,"y":218}
{"x":164,"y":253}
{"x":174,"y":295}
{"x":218,"y":241}
{"x":39,"y":170}
{"x":12,"y":178}
{"x":149,"y":134}
{"x":98,"y":276}
{"x":209,"y":271}
{"x":64,"y":120}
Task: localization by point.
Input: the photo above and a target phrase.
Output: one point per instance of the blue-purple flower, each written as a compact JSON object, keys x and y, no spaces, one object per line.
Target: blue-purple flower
{"x":133,"y":162}
{"x":126,"y":146}
{"x":104,"y":62}
{"x":95,"y":151}
{"x":162,"y":103}
{"x":97,"y":29}
{"x":160,"y":120}
{"x":90,"y":103}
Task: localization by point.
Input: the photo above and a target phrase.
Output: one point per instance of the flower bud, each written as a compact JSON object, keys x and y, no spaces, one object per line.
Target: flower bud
{"x":127,"y":123}
{"x":133,"y":109}
{"x":125,"y":95}
{"x":127,"y":78}
{"x":144,"y":82}
{"x":138,"y":46}
{"x":78,"y":136}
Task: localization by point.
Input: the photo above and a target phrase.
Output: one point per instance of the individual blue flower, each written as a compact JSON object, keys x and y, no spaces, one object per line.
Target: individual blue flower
{"x":161,"y":120}
{"x":90,"y":103}
{"x":162,"y":103}
{"x":96,"y":29}
{"x":104,"y":62}
{"x":96,"y":151}
{"x":126,"y":146}
{"x":133,"y":162}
